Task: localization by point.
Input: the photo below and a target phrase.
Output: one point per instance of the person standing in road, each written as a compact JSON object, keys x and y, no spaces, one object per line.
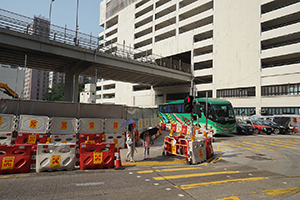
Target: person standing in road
{"x":147,"y":142}
{"x":130,"y":144}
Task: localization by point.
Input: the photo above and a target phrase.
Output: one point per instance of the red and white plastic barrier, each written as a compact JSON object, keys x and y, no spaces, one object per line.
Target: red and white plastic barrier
{"x":63,"y":139}
{"x":117,"y":138}
{"x":57,"y":156}
{"x":114,"y":126}
{"x":8,"y":123}
{"x":15,"y":158}
{"x":61,"y":125}
{"x":90,"y":125}
{"x":97,"y":156}
{"x":5,"y":138}
{"x":33,"y":140}
{"x":33,"y":124}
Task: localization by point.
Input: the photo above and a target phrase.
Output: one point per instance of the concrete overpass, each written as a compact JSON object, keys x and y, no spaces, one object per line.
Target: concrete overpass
{"x":50,"y":55}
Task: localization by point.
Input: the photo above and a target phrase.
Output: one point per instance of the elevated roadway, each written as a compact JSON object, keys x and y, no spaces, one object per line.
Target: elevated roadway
{"x":51,"y":55}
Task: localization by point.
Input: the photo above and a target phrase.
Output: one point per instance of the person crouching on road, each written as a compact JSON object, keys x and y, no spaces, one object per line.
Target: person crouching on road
{"x":147,"y":142}
{"x":130,"y":144}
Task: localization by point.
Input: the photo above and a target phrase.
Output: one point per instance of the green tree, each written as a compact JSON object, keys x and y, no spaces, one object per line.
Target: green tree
{"x":57,"y":93}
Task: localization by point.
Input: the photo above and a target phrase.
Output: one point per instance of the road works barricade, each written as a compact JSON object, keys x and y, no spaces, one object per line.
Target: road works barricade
{"x":117,"y":138}
{"x":33,"y":124}
{"x":5,"y":138}
{"x":62,"y":125}
{"x":209,"y":148}
{"x":90,"y":125}
{"x":86,"y":138}
{"x":90,"y":138}
{"x":193,"y":151}
{"x":97,"y":156}
{"x":8,"y":123}
{"x":15,"y":158}
{"x":64,"y":139}
{"x":57,"y":156}
{"x":197,"y":152}
{"x":33,"y":140}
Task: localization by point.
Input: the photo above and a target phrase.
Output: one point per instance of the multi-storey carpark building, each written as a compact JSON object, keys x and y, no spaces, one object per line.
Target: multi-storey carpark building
{"x":245,"y":51}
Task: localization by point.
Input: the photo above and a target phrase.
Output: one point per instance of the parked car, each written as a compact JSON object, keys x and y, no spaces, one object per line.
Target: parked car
{"x":259,"y":127}
{"x":288,"y":121}
{"x":243,"y":128}
{"x":277,"y":128}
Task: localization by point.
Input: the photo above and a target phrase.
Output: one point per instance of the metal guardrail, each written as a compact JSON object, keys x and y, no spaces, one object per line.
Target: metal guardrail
{"x":39,"y":26}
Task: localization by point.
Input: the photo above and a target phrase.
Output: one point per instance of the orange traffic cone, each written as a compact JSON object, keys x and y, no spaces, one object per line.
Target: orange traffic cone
{"x":118,"y":161}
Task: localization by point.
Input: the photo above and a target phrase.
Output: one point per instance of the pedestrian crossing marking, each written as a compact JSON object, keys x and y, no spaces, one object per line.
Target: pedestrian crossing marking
{"x":283,"y":191}
{"x":195,"y":185}
{"x":193,"y":175}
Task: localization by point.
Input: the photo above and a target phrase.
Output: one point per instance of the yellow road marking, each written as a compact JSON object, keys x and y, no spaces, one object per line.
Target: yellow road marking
{"x":159,"y":163}
{"x":270,"y":143}
{"x":237,"y":146}
{"x":14,"y":176}
{"x":178,"y":169}
{"x":168,"y":170}
{"x":297,"y":141}
{"x":213,"y":160}
{"x":284,"y":191}
{"x":248,"y":145}
{"x":230,"y":198}
{"x":191,"y":186}
{"x":145,"y":172}
{"x":270,"y":147}
{"x":193,"y":175}
{"x":285,"y":143}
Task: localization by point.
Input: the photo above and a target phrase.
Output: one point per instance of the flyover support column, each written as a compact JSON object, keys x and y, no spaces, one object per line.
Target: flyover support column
{"x":71,"y":86}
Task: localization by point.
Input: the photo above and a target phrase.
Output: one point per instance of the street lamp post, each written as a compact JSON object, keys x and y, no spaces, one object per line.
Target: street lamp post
{"x":50,"y":11}
{"x":75,"y":39}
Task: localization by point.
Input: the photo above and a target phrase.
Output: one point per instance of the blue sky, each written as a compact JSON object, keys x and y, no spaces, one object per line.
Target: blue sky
{"x":63,"y":12}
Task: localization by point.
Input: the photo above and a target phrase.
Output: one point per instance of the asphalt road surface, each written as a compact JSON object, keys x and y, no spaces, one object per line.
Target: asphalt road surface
{"x":243,"y":167}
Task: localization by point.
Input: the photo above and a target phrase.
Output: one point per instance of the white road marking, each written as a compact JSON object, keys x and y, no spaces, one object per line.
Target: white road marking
{"x":88,"y":184}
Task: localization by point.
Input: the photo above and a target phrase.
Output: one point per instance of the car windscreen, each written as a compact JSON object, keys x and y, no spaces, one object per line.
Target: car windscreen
{"x":256,"y":122}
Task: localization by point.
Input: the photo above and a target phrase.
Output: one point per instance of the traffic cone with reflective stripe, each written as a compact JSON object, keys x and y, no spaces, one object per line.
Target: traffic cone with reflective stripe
{"x":118,"y":160}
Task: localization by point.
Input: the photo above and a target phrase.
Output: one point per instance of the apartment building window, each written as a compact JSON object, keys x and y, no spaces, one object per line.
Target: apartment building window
{"x":244,"y":111}
{"x":277,"y":90}
{"x":236,"y":92}
{"x":280,"y":110}
{"x":202,"y":94}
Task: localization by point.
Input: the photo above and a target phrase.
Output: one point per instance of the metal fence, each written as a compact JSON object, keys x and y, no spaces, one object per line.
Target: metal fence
{"x":41,"y":27}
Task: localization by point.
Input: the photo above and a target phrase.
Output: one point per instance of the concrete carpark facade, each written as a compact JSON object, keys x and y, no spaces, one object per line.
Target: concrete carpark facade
{"x":233,"y":45}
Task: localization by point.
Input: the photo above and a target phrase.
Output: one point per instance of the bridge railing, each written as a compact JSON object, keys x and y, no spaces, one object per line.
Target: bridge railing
{"x":41,"y":27}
